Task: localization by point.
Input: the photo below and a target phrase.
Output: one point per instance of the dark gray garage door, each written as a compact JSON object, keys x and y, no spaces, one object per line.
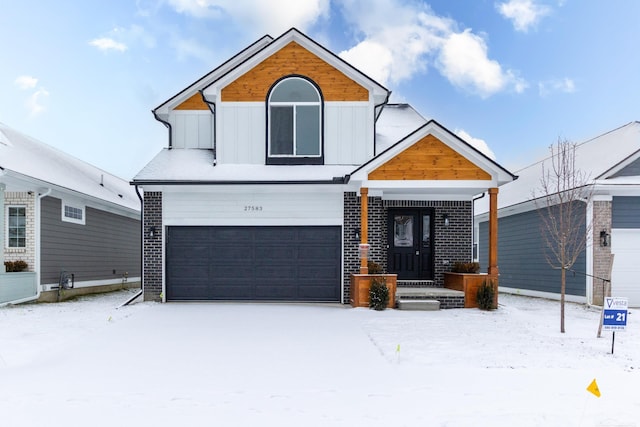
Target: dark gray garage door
{"x":254,"y":263}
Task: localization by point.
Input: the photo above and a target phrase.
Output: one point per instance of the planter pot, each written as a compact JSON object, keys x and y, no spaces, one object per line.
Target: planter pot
{"x":361,"y":284}
{"x":469,"y":284}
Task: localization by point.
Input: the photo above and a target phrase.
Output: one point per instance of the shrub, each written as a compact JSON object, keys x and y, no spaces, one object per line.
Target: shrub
{"x":15,"y":266}
{"x":485,"y":295}
{"x":374,"y":267}
{"x":465,"y":267}
{"x":378,"y":294}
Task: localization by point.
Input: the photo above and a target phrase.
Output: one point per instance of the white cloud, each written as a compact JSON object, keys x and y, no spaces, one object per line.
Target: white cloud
{"x":565,"y":85}
{"x":35,"y":102}
{"x":464,"y":61}
{"x":524,"y":14}
{"x":186,"y":48}
{"x":26,"y":82}
{"x":400,"y":39}
{"x":106,"y":44}
{"x":477,"y":143}
{"x":259,"y":15}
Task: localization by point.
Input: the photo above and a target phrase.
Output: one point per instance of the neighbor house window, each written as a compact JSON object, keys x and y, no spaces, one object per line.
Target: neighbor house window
{"x":73,"y":213}
{"x":17,"y":226}
{"x":294,"y":123}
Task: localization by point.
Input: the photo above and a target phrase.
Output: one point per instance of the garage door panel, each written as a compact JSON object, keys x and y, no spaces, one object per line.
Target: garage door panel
{"x":301,"y":263}
{"x":625,"y":244}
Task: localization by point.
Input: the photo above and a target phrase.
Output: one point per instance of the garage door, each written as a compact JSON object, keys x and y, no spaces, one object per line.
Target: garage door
{"x":625,"y":244}
{"x":254,"y":263}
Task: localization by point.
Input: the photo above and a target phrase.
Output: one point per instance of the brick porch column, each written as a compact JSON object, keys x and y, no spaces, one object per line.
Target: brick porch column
{"x":493,"y":233}
{"x":364,"y":225}
{"x":2,"y":268}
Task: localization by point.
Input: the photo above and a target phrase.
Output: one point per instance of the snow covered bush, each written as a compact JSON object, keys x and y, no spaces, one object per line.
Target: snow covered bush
{"x":378,"y":294}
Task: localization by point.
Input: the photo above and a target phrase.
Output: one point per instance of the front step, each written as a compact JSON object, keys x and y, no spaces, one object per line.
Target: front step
{"x":447,"y":298}
{"x":418,"y":304}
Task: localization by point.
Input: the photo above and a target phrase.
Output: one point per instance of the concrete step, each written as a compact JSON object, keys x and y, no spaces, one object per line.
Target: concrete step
{"x":418,"y":304}
{"x":448,"y":298}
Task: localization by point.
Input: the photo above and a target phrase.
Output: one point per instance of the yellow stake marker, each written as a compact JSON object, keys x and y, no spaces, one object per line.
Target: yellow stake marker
{"x":398,"y":349}
{"x":593,"y":388}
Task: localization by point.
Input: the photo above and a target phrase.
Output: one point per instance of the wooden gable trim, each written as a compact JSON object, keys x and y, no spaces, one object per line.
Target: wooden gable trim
{"x":194,"y":102}
{"x":429,"y":159}
{"x":293,"y":58}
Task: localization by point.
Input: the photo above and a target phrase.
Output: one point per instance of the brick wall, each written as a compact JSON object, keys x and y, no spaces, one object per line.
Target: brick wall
{"x":152,"y":268}
{"x":28,"y":253}
{"x":601,"y":254}
{"x":452,"y":243}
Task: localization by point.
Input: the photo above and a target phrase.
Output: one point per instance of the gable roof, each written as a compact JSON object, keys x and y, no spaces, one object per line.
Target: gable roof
{"x":23,"y":158}
{"x":380,"y":93}
{"x":600,"y":158}
{"x":499,"y":175}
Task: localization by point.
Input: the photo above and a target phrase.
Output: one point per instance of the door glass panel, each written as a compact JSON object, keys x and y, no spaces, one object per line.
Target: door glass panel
{"x":426,"y":230}
{"x":403,"y":231}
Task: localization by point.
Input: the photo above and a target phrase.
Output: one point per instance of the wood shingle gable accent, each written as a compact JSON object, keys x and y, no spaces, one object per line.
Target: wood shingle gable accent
{"x":293,"y":59}
{"x":194,"y":102}
{"x":429,"y":159}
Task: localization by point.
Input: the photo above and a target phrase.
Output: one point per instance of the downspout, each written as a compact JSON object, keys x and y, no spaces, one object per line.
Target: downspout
{"x":168,"y":125}
{"x":133,"y":298}
{"x":212,"y":108}
{"x":38,"y":239}
{"x":375,"y":119}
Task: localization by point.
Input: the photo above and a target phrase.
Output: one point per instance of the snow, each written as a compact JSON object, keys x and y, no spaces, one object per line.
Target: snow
{"x":396,"y":122}
{"x":87,"y":362}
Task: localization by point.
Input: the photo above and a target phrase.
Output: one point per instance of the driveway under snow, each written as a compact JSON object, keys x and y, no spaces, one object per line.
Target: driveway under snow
{"x":88,"y":363}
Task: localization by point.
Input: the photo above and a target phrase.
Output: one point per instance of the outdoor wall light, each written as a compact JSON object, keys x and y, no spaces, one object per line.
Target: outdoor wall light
{"x":152,"y":232}
{"x":604,"y":238}
{"x":356,"y":233}
{"x":445,"y":217}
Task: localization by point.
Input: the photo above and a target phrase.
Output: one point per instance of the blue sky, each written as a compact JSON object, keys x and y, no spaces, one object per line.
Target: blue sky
{"x":84,"y":75}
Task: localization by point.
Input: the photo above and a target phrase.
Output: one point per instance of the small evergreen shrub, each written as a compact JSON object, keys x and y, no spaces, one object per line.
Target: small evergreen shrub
{"x":465,"y":267}
{"x":378,"y":294}
{"x":374,"y":267}
{"x":485,"y":295}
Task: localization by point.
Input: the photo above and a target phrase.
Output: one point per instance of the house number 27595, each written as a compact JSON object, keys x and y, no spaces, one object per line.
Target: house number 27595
{"x":253,"y":208}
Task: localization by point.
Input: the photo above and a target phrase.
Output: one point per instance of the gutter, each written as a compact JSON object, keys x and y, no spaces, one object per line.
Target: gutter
{"x":212,"y":108}
{"x":168,"y":126}
{"x":336,"y":180}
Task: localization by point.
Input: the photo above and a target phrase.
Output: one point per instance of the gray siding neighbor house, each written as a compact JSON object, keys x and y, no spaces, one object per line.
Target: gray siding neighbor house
{"x":286,"y":169}
{"x":612,"y":163}
{"x":64,"y":221}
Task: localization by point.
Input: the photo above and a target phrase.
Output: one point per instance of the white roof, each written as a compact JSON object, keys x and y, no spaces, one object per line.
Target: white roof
{"x":599,"y":158}
{"x":396,"y":122}
{"x":23,"y":157}
{"x":196,"y":165}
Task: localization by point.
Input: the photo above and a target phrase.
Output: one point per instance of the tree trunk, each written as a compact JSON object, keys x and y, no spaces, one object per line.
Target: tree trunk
{"x":563,"y":284}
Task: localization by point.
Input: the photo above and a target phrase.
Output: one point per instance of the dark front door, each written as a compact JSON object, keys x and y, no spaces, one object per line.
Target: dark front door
{"x":410,"y":253}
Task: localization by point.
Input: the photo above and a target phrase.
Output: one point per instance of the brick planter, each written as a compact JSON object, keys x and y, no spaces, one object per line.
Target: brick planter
{"x":361,"y":283}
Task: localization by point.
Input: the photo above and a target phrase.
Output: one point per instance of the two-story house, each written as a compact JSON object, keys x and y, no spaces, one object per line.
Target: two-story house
{"x":281,"y":162}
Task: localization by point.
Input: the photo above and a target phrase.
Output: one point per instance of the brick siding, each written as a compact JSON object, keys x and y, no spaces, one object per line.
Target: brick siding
{"x":152,"y":268}
{"x":28,"y":253}
{"x":601,"y":254}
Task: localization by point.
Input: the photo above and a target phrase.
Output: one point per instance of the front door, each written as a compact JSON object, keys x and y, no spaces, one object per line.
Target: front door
{"x":410,"y":246}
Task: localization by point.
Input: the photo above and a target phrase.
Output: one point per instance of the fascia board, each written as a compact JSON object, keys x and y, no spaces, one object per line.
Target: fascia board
{"x":163,"y":109}
{"x":378,"y":91}
{"x":620,"y":165}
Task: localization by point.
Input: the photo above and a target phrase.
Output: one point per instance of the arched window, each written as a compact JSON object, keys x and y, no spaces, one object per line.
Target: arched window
{"x":294,"y":123}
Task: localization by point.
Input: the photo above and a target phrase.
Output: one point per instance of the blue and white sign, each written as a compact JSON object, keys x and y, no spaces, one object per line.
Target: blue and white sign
{"x":615,"y":314}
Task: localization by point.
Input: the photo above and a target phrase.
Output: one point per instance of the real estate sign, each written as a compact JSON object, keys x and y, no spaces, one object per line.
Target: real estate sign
{"x":615,"y":314}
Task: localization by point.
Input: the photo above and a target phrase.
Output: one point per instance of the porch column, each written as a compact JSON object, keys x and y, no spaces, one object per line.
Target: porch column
{"x":2,"y":227}
{"x":493,"y":233}
{"x":364,"y":225}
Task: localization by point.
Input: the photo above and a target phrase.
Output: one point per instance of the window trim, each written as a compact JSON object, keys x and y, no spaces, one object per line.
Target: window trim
{"x":292,"y":159}
{"x":81,"y":208}
{"x":6,"y":229}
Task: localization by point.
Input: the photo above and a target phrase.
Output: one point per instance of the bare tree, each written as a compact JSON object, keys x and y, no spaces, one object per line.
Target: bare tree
{"x":563,"y":191}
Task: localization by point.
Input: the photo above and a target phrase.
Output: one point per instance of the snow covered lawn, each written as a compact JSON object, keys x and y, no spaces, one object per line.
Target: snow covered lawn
{"x":87,"y":363}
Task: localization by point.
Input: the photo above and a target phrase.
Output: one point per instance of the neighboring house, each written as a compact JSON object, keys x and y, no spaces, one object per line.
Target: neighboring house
{"x":66,"y":219}
{"x":258,"y":195}
{"x":612,"y":164}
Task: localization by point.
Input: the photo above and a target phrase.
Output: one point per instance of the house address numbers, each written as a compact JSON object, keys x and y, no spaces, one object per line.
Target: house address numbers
{"x":252,"y":208}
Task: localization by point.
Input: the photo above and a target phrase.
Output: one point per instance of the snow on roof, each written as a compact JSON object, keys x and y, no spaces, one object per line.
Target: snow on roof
{"x":31,"y":158}
{"x":597,"y":158}
{"x":395,"y":122}
{"x":197,"y":165}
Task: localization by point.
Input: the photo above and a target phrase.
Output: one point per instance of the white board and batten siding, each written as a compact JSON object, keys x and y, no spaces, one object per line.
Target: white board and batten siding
{"x":192,"y":129}
{"x":241,"y":133}
{"x":625,"y":277}
{"x":253,"y":206}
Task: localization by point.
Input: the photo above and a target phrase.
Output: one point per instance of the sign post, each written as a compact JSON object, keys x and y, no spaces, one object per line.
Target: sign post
{"x":615,"y":313}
